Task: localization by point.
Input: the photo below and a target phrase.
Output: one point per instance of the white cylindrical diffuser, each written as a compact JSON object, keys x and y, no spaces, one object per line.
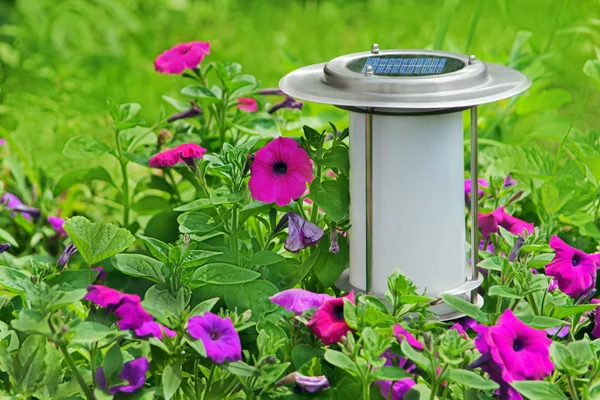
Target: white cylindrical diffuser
{"x":418,"y":201}
{"x":406,"y":161}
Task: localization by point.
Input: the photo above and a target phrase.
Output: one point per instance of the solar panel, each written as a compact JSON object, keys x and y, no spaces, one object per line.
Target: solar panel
{"x":408,"y":66}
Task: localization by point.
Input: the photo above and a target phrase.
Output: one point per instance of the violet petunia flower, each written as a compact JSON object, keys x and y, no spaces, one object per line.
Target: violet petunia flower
{"x":101,"y":274}
{"x":106,"y":297}
{"x":301,"y":233}
{"x":463,"y":324}
{"x":489,"y":223}
{"x":134,"y":372}
{"x":334,"y":245}
{"x":271,"y":91}
{"x":131,"y":315}
{"x":218,"y":335}
{"x":66,"y":255}
{"x":552,"y":285}
{"x":559,"y":331}
{"x":186,"y":153}
{"x":153,"y":328}
{"x":509,"y":181}
{"x":280,"y":172}
{"x":328,"y":323}
{"x":4,"y":247}
{"x":12,"y":202}
{"x":402,"y":334}
{"x":574,"y":270}
{"x":181,"y":56}
{"x":57,"y":224}
{"x":467,"y":188}
{"x":288,"y":102}
{"x":401,"y":387}
{"x":299,"y":300}
{"x":247,"y":104}
{"x":303,"y":383}
{"x":512,"y":351}
{"x":190,"y":113}
{"x":596,"y":314}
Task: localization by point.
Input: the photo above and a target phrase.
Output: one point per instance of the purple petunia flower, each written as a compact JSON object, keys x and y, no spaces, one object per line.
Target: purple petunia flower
{"x":66,"y":255}
{"x":101,"y":274}
{"x":467,"y":188}
{"x":334,"y":246}
{"x":218,"y":335}
{"x":131,"y":315}
{"x":303,"y":383}
{"x":398,"y":388}
{"x":153,"y":328}
{"x":190,"y":113}
{"x":57,"y":225}
{"x":134,"y":372}
{"x":489,"y":223}
{"x":12,"y":202}
{"x":299,"y":300}
{"x":106,"y":297}
{"x":511,"y":351}
{"x":403,"y":334}
{"x":509,"y":181}
{"x":288,"y":102}
{"x":462,"y":325}
{"x":596,"y":314}
{"x":574,"y":270}
{"x":271,"y":91}
{"x":559,"y":331}
{"x":4,"y":247}
{"x":301,"y":233}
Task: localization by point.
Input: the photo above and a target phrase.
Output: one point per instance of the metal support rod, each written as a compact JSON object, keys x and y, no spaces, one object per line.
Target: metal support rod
{"x":369,"y":199}
{"x":474,"y":204}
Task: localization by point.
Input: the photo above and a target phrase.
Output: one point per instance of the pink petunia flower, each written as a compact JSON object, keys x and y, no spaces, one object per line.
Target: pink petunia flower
{"x":186,"y":153}
{"x":574,"y":270}
{"x":218,"y":335}
{"x":299,"y":300}
{"x":402,"y":334}
{"x":467,"y":187}
{"x":328,"y":322}
{"x":57,"y":225}
{"x":247,"y":104}
{"x":489,"y":223}
{"x":513,"y":351}
{"x":280,"y":172}
{"x":181,"y":56}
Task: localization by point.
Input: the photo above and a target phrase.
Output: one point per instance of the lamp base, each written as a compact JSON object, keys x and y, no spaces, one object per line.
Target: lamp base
{"x":443,"y":311}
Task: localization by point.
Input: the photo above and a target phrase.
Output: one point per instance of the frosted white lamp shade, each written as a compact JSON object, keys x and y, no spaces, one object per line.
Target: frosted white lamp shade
{"x":418,"y":201}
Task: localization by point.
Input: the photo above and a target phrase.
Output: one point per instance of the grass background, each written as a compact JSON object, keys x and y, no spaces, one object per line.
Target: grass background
{"x":61,"y":60}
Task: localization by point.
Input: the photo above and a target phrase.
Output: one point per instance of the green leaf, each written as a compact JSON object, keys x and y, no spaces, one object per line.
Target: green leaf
{"x":391,"y":374}
{"x":224,"y":274}
{"x":159,"y":301}
{"x":251,"y":296}
{"x":332,"y":196}
{"x":416,"y":356}
{"x":492,"y":263}
{"x":6,"y":237}
{"x":303,"y":353}
{"x":141,"y":266}
{"x":68,"y":280}
{"x":419,"y":392}
{"x":465,"y":307}
{"x":199,"y":91}
{"x":171,"y":380}
{"x":223,"y":195}
{"x":81,"y":176}
{"x":538,"y":322}
{"x":471,"y":380}
{"x":592,"y":69}
{"x":561,"y":312}
{"x":149,"y":205}
{"x":196,"y":258}
{"x":198,"y":204}
{"x":539,"y":390}
{"x":85,"y":146}
{"x":287,"y":273}
{"x":113,"y":363}
{"x":196,"y":222}
{"x":204,"y":307}
{"x":97,"y":241}
{"x":31,"y":321}
{"x":15,"y":280}
{"x":266,"y":258}
{"x":338,"y":158}
{"x":328,"y":266}
{"x":90,"y":332}
{"x":157,"y":248}
{"x":240,"y":368}
{"x":503,"y":291}
{"x":340,"y":360}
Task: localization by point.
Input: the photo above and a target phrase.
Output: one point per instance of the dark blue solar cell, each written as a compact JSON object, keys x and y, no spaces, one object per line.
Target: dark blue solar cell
{"x":413,"y":66}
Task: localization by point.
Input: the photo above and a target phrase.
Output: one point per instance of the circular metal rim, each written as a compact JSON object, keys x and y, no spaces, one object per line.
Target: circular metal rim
{"x":308,"y":84}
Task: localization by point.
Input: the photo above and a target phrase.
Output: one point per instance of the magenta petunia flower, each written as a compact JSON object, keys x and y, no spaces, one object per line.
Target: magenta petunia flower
{"x":153,"y":328}
{"x":574,"y":270}
{"x":489,"y":223}
{"x":181,"y":56}
{"x":101,"y":274}
{"x":467,"y":187}
{"x":105,"y":296}
{"x":218,"y":335}
{"x":186,"y":153}
{"x":134,"y":372}
{"x":512,"y":350}
{"x":280,"y":172}
{"x":131,"y":315}
{"x":301,"y":233}
{"x":57,"y":224}
{"x":299,"y":300}
{"x":552,"y":285}
{"x":247,"y":104}
{"x":328,"y":323}
{"x":2,"y":142}
{"x":398,"y":388}
{"x":402,"y":334}
{"x":596,"y":314}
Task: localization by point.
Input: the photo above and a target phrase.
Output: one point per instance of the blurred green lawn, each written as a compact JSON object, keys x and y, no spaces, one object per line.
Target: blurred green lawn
{"x":61,"y":59}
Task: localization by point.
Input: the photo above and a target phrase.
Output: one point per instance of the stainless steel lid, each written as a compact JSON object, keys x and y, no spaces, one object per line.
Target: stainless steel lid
{"x":417,"y":80}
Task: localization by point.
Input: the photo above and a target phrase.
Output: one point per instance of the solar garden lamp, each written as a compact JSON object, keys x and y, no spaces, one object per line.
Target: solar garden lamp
{"x":406,"y":161}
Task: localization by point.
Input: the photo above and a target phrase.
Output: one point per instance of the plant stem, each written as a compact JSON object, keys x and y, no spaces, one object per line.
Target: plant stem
{"x":86,"y":389}
{"x":366,"y":390}
{"x":234,"y":231}
{"x":572,"y":388}
{"x":209,"y":381}
{"x":125,"y":186}
{"x":223,"y":124}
